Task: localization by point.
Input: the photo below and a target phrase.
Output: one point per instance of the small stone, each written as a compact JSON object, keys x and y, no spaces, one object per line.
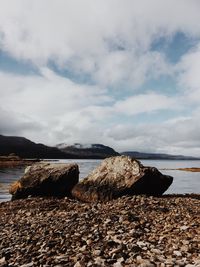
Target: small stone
{"x":89,"y":241}
{"x":184,"y":248}
{"x":99,"y":261}
{"x":27,"y":265}
{"x":169,"y":262}
{"x":83,"y":248}
{"x":146,"y":263}
{"x":139,"y":259}
{"x":156,"y":251}
{"x":3,"y":262}
{"x":184,"y":227}
{"x":177,"y":253}
{"x":180,"y":262}
{"x":77,"y":264}
{"x":117,"y":264}
{"x":185,"y":242}
{"x":97,"y":252}
{"x":141,"y":244}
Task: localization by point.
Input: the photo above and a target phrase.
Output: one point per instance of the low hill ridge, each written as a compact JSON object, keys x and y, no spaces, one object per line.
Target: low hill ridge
{"x":96,"y":151}
{"x":25,"y":148}
{"x":143,"y":155}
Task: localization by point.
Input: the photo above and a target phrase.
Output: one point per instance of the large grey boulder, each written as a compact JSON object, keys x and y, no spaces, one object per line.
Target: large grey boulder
{"x":118,"y":176}
{"x":46,"y":179}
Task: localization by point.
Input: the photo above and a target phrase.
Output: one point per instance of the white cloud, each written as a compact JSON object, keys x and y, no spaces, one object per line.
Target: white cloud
{"x":145,"y":103}
{"x":86,"y":36}
{"x":108,"y":42}
{"x":52,"y":109}
{"x":51,"y":100}
{"x":129,"y":70}
{"x":180,"y":136}
{"x":64,"y":109}
{"x":15,"y":123}
{"x":189,"y":78}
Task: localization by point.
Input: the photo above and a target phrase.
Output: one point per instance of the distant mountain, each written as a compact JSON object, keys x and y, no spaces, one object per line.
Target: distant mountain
{"x":140,"y":155}
{"x":28,"y":149}
{"x":89,"y":151}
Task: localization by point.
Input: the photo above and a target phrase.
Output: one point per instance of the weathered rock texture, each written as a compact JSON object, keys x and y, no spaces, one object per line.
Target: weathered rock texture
{"x":45,"y":179}
{"x":120,"y":176}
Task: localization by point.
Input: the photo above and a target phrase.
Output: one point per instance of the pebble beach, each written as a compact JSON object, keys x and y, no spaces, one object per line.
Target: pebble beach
{"x":129,"y":231}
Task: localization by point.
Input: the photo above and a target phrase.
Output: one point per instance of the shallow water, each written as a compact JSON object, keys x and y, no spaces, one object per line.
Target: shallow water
{"x":184,"y":182}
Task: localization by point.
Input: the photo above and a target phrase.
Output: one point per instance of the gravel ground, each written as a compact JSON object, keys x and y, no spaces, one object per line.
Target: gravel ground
{"x":130,"y":231}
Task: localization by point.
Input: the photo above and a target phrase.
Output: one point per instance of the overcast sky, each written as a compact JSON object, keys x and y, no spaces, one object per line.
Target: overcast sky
{"x":124,"y":73}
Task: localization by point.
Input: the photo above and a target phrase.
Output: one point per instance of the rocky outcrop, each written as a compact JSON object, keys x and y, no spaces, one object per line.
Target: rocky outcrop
{"x":118,"y":176}
{"x":45,"y":179}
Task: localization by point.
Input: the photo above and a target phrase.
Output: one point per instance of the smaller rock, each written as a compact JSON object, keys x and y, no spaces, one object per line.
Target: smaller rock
{"x":97,"y":252}
{"x":156,"y":251}
{"x":3,"y":262}
{"x":184,"y":227}
{"x":46,"y":179}
{"x":177,"y":253}
{"x":141,"y":244}
{"x":30,"y":264}
{"x":99,"y":261}
{"x":77,"y":264}
{"x":117,"y":264}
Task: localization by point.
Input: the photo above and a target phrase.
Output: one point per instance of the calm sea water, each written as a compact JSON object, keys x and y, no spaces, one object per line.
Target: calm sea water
{"x":184,"y":182}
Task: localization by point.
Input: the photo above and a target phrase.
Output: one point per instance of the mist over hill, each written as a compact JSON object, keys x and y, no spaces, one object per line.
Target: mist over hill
{"x":96,"y":151}
{"x":25,"y":148}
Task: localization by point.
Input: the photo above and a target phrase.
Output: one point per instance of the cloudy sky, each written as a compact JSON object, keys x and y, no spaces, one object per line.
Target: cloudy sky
{"x":125,"y":73}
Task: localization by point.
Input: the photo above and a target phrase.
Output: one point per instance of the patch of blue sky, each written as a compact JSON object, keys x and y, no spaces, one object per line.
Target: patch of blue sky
{"x":174,"y":47}
{"x":153,"y":117}
{"x":68,"y":72}
{"x":12,"y":65}
{"x":165,"y":84}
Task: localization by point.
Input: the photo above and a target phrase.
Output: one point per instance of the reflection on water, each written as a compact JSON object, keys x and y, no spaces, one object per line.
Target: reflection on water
{"x":184,"y":182}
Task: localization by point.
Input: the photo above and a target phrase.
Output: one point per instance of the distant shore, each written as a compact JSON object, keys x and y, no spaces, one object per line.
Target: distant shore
{"x":15,"y":161}
{"x":128,"y":231}
{"x":192,"y":169}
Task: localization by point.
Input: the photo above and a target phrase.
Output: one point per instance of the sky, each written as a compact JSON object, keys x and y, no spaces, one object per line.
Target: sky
{"x":123,"y":73}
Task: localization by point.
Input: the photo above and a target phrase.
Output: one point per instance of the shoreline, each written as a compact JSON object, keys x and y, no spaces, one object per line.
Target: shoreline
{"x":188,"y":169}
{"x":12,"y":163}
{"x":129,"y":231}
